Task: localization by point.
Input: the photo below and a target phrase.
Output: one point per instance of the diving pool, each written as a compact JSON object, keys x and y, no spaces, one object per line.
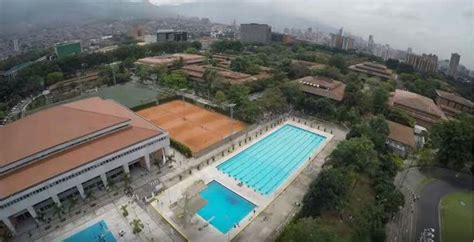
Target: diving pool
{"x":267,"y":164}
{"x":224,"y":208}
{"x":97,"y":232}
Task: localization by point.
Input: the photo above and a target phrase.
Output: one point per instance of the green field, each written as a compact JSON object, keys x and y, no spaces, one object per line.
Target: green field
{"x":457,"y":217}
{"x":129,"y":94}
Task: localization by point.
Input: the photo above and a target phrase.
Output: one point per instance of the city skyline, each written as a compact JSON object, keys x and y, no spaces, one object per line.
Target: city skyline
{"x":441,"y":28}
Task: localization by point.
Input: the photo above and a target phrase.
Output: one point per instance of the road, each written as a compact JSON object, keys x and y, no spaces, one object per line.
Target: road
{"x":429,"y":185}
{"x":427,"y":206}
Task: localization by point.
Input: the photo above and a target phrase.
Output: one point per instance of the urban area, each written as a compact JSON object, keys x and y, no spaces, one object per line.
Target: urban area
{"x":180,"y":128}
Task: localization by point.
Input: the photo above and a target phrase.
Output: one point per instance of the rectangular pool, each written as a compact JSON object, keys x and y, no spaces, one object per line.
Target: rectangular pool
{"x":224,"y":208}
{"x":267,"y":164}
{"x":97,"y":232}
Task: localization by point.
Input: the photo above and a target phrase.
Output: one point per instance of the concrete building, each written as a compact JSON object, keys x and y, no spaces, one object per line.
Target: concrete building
{"x":340,"y":41}
{"x":165,"y":35}
{"x":421,"y":108}
{"x":323,"y":87}
{"x":401,"y":139}
{"x":453,"y":64}
{"x":423,"y":63}
{"x":70,"y":151}
{"x":170,"y":60}
{"x":371,"y":44}
{"x":16,"y":46}
{"x":452,"y":104}
{"x":255,"y":33}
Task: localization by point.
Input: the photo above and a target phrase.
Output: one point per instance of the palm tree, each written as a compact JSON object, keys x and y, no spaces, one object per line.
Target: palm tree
{"x":137,"y":226}
{"x":58,"y":210}
{"x":72,"y":202}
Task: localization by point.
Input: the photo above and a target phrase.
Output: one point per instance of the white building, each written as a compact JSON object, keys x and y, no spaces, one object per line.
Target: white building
{"x":69,"y":151}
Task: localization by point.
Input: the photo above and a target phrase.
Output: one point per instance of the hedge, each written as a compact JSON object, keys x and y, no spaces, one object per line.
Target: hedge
{"x":183,"y":149}
{"x":143,"y":106}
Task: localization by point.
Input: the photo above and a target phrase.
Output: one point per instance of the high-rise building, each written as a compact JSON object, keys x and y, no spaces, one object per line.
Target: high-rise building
{"x":255,"y":33}
{"x":423,"y":63}
{"x":340,"y":41}
{"x":347,"y":43}
{"x":16,"y":47}
{"x":453,"y":64}
{"x":371,"y":43}
{"x":409,"y":50}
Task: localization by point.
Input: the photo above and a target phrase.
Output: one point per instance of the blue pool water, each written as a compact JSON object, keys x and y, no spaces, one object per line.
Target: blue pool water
{"x":265,"y":165}
{"x":97,"y":232}
{"x":224,"y":208}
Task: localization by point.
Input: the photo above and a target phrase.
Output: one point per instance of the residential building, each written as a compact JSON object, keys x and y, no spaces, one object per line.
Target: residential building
{"x":340,"y":41}
{"x":371,"y":44}
{"x":401,"y":139}
{"x":453,"y":64}
{"x":452,"y":104}
{"x":255,"y":33}
{"x":373,"y":69}
{"x":423,"y":63}
{"x":69,"y":151}
{"x":16,"y":46}
{"x":323,"y":87}
{"x":421,"y":108}
{"x":165,"y":35}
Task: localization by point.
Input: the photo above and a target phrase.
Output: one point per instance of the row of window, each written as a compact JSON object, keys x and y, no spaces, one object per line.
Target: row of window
{"x":79,"y":173}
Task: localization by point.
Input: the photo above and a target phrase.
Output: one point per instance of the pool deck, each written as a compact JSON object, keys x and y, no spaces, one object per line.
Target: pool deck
{"x":197,"y":229}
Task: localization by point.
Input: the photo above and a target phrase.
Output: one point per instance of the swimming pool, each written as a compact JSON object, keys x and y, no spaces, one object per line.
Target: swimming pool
{"x":265,"y":165}
{"x":97,"y":232}
{"x":224,"y":208}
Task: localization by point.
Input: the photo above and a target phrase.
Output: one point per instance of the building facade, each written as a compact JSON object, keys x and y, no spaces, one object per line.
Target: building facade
{"x":255,"y":33}
{"x":423,"y":63}
{"x":452,"y":104}
{"x":373,"y":69}
{"x":68,"y":152}
{"x":401,"y":139}
{"x":453,"y":64}
{"x":166,"y":35}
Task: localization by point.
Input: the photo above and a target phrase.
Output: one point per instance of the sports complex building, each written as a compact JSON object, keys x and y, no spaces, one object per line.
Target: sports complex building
{"x":70,"y":151}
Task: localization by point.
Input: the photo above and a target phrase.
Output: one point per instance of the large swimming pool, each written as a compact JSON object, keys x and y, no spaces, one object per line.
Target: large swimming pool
{"x":224,"y":208}
{"x":97,"y":232}
{"x":267,"y":164}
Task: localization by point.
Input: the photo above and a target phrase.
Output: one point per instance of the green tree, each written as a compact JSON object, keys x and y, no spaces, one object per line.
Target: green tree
{"x":176,"y":80}
{"x":54,"y":77}
{"x":220,"y":97}
{"x":328,"y":192}
{"x":210,"y":76}
{"x":357,"y":153}
{"x":453,"y":140}
{"x":338,"y":61}
{"x":238,"y":94}
{"x":308,"y":230}
{"x":379,"y":101}
{"x":273,"y":101}
{"x":191,"y":50}
{"x":137,"y":226}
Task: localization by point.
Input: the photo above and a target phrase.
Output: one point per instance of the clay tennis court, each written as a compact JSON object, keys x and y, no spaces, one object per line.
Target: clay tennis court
{"x":194,"y":126}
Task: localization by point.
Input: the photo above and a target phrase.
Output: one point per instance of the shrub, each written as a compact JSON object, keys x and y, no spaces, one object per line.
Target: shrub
{"x":183,"y":149}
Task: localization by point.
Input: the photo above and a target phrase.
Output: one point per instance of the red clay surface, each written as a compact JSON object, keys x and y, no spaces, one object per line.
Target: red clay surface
{"x":194,"y":126}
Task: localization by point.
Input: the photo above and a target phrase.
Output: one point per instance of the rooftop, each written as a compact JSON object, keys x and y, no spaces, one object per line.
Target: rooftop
{"x":455,"y":98}
{"x":372,"y":69}
{"x":402,"y":134}
{"x":168,"y":60}
{"x":322,"y":86}
{"x":63,"y":123}
{"x":416,"y":101}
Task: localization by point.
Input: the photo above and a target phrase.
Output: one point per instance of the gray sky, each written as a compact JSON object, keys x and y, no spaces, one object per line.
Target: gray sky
{"x":439,"y":27}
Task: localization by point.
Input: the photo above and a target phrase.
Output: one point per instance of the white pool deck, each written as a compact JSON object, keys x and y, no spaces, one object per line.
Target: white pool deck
{"x":210,"y":233}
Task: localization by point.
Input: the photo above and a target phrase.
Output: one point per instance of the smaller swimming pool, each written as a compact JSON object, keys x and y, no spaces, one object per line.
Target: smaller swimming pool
{"x":97,"y":232}
{"x":224,"y":208}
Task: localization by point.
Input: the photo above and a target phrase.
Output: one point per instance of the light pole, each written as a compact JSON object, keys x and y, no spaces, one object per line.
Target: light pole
{"x":231,"y":106}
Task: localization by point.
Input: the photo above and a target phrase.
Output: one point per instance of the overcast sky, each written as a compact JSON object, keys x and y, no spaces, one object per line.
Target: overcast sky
{"x":439,"y":27}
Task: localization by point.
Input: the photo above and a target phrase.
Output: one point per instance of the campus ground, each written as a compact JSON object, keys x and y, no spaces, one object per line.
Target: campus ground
{"x":457,"y":216}
{"x":191,"y":125}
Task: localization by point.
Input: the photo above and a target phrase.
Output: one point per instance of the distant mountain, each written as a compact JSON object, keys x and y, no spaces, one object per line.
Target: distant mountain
{"x":21,"y":15}
{"x":244,"y":12}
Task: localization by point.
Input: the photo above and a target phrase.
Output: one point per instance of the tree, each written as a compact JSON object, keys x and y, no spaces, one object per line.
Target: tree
{"x":292,"y":92}
{"x":379,"y":101}
{"x":338,"y":61}
{"x":137,"y":226}
{"x":238,"y":94}
{"x":392,"y":64}
{"x":328,"y":192}
{"x":273,"y":101}
{"x":357,"y":153}
{"x":453,"y":139}
{"x":378,"y":132}
{"x":220,"y":97}
{"x":176,"y":80}
{"x":308,"y":230}
{"x":191,"y":50}
{"x":209,"y":76}
{"x":54,"y":77}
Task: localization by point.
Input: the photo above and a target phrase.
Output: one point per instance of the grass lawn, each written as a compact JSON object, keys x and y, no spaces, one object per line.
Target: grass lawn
{"x":457,"y":217}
